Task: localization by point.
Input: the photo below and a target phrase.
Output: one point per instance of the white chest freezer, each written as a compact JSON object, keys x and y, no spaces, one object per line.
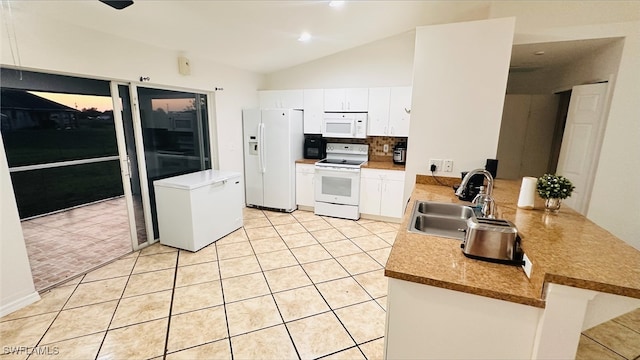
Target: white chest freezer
{"x":199,"y":208}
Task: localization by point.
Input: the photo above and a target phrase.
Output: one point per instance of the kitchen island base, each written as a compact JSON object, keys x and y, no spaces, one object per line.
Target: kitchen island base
{"x":427,"y":322}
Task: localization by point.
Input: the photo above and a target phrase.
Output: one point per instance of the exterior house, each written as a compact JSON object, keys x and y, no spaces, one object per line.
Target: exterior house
{"x":21,"y":109}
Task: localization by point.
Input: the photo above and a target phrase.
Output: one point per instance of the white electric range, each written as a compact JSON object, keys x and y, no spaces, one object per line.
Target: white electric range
{"x":337,"y":180}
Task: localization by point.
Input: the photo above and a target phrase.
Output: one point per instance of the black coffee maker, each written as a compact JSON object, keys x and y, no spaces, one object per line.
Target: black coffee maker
{"x":473,"y":186}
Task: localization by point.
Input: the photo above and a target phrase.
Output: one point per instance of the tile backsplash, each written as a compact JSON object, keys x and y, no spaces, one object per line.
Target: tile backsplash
{"x":376,"y":145}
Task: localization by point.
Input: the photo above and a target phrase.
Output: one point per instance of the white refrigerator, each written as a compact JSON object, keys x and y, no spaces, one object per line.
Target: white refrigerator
{"x":273,"y":141}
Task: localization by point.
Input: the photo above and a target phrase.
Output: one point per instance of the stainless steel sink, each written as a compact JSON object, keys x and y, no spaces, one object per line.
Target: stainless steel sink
{"x":444,"y":210}
{"x":440,"y":219}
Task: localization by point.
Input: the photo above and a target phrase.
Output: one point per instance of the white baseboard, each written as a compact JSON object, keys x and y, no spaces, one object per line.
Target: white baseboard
{"x":305,"y":208}
{"x":381,"y":218}
{"x":18,"y":304}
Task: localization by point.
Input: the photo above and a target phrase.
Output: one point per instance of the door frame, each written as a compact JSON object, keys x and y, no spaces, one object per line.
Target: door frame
{"x":125,"y":167}
{"x":141,"y":159}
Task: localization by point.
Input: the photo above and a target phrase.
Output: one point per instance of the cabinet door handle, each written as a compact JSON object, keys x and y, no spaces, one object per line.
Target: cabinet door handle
{"x":408,"y":111}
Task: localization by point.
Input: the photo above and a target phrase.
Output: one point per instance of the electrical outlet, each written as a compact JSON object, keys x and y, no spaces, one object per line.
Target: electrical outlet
{"x":447,"y":165}
{"x":437,"y":163}
{"x":385,"y":148}
{"x":528,"y":265}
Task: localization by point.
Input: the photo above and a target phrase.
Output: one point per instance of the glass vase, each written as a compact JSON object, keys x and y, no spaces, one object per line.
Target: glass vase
{"x":552,"y":205}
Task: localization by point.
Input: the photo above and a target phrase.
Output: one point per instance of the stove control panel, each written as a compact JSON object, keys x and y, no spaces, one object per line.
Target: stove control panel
{"x":352,"y":149}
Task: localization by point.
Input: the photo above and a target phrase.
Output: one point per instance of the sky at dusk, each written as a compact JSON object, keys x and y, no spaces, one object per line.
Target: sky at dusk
{"x":79,"y":102}
{"x":103,"y":103}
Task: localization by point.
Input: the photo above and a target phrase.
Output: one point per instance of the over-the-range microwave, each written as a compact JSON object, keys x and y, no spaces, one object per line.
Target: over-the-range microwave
{"x":344,"y":125}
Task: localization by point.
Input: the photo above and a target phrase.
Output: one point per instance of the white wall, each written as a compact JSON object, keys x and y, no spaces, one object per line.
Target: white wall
{"x":613,"y":200}
{"x":526,"y":135}
{"x":58,"y":48}
{"x":16,"y":283}
{"x":459,"y":81}
{"x":61,"y":48}
{"x":387,"y":62}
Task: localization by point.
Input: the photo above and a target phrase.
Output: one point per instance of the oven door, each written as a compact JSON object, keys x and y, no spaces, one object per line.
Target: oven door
{"x":338,"y":126}
{"x":337,"y":185}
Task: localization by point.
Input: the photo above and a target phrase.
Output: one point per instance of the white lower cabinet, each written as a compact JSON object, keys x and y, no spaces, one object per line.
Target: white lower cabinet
{"x":304,"y":184}
{"x":381,"y":192}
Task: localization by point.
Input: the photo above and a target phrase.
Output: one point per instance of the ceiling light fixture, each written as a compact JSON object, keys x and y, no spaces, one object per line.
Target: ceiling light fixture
{"x":336,"y":3}
{"x":541,"y":52}
{"x":304,"y":37}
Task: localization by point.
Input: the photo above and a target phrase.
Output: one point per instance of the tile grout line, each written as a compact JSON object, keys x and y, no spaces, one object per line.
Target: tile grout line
{"x":295,"y":348}
{"x":173,"y":291}
{"x":604,"y":346}
{"x":55,"y":318}
{"x":224,"y":302}
{"x":326,"y":302}
{"x":116,"y":308}
{"x":619,"y":323}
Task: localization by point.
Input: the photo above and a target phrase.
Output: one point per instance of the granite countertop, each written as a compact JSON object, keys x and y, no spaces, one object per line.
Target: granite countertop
{"x":307,"y":161}
{"x":565,"y":248}
{"x":380,"y":165}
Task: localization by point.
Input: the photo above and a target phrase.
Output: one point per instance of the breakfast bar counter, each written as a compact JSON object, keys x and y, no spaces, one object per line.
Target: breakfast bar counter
{"x":565,"y":248}
{"x":437,"y":293}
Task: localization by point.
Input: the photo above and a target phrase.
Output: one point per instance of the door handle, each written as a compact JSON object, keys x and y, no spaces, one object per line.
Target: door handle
{"x":129,"y":166}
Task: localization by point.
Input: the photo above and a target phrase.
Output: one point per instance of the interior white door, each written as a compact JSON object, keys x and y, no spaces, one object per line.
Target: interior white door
{"x":582,"y":140}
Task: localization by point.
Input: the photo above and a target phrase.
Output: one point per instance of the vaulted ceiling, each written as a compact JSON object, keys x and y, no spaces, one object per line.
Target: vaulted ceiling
{"x":260,"y":36}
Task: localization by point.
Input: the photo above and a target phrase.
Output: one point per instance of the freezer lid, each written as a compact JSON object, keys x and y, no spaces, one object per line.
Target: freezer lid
{"x":196,"y":179}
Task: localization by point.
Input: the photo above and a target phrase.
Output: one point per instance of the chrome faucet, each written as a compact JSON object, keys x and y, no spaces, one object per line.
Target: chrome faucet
{"x":484,"y":200}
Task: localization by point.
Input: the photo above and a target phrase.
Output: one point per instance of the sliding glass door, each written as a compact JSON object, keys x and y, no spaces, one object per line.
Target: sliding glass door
{"x":174,"y":132}
{"x":137,"y":203}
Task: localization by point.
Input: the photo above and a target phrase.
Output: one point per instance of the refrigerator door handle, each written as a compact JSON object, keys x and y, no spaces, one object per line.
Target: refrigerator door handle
{"x":261,"y":148}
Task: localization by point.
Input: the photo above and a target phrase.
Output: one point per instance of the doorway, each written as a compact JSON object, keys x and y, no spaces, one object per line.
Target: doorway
{"x":63,"y":158}
{"x":83,"y":155}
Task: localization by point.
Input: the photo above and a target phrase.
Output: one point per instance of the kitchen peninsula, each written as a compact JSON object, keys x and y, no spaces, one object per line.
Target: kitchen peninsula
{"x":444,"y":305}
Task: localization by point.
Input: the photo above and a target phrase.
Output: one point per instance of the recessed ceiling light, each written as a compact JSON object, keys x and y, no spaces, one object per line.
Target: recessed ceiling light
{"x":541,"y":52}
{"x":304,"y":37}
{"x":336,"y":3}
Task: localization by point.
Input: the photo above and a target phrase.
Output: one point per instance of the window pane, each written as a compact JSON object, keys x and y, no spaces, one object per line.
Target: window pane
{"x":37,"y":130}
{"x":175,"y":136}
{"x":43,"y":191}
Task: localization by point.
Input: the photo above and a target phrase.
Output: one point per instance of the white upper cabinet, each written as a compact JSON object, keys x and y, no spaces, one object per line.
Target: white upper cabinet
{"x":313,"y":110}
{"x":378,"y":124}
{"x":354,"y":99}
{"x":389,"y":111}
{"x":399,"y":111}
{"x":281,"y":99}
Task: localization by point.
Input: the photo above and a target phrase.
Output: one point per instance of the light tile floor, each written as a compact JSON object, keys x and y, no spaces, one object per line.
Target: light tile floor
{"x":69,"y":243}
{"x":285,"y":286}
{"x":618,"y":338}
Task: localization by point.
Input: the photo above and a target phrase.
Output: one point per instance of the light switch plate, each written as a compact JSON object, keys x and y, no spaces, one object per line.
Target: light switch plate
{"x":528,"y":265}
